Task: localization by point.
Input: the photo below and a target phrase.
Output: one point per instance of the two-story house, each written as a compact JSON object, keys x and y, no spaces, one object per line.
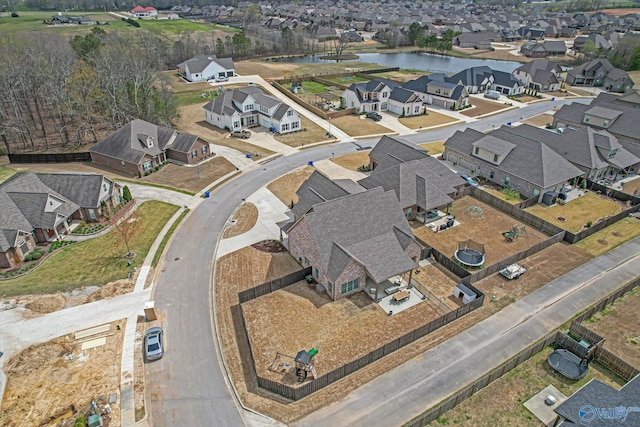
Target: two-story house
{"x":600,"y":73}
{"x":539,"y":74}
{"x":369,"y":96}
{"x":250,"y":107}
{"x":440,"y":90}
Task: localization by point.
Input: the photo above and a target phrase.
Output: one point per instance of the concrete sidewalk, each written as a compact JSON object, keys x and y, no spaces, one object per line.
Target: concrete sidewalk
{"x":425,"y":381}
{"x":270,"y":211}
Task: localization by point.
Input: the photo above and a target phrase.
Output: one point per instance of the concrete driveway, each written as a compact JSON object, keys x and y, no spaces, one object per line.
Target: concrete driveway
{"x":390,"y":121}
{"x":262,"y":137}
{"x":145,"y":192}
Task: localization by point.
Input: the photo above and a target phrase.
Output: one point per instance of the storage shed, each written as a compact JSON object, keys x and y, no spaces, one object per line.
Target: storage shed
{"x":462,"y":291}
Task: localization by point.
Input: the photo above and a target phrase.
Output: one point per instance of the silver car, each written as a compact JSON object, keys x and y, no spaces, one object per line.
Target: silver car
{"x":153,"y":349}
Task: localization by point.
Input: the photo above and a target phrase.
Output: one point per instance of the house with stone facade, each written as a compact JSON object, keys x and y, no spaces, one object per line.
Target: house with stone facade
{"x":539,"y":74}
{"x":355,"y":242}
{"x":600,"y":73}
{"x":139,"y":146}
{"x":439,"y":89}
{"x":512,"y":157}
{"x":38,"y":207}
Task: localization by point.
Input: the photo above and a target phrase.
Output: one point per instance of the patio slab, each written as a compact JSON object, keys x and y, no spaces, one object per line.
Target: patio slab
{"x":540,"y":409}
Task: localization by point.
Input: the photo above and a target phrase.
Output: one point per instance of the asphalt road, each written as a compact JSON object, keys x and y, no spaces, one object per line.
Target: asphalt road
{"x":188,"y":386}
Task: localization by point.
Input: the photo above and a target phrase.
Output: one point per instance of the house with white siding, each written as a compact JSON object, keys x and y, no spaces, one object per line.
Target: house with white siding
{"x":250,"y":107}
{"x":205,"y":67}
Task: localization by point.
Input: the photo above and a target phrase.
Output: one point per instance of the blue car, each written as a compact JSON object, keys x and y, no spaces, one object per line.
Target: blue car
{"x":472,"y":182}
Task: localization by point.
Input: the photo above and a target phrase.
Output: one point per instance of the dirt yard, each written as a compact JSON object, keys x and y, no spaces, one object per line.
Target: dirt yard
{"x":540,"y":120}
{"x":440,"y":282}
{"x":578,"y":212}
{"x":192,"y":121}
{"x":311,"y":135}
{"x":619,"y":324}
{"x":428,"y":120}
{"x":243,"y":220}
{"x":191,"y":178}
{"x":482,"y":106}
{"x":352,"y":161}
{"x":357,"y":126}
{"x":502,"y":402}
{"x":300,"y":322}
{"x":285,"y":187}
{"x":401,"y":76}
{"x":542,"y":268}
{"x":485,"y":230}
{"x":57,"y":378}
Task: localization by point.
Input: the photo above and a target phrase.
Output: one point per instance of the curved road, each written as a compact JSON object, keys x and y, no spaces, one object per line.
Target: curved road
{"x":188,"y":386}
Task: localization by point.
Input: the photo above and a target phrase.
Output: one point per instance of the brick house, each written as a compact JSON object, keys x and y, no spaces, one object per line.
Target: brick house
{"x":140,"y":146}
{"x":37,"y":208}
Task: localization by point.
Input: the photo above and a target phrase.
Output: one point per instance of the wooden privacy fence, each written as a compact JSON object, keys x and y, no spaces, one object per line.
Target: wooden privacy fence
{"x":599,"y":225}
{"x":619,"y":195}
{"x":83,"y":156}
{"x":310,"y":107}
{"x":273,"y":285}
{"x":604,"y":357}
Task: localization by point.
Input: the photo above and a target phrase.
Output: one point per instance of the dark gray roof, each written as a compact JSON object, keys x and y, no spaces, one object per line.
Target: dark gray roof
{"x":198,"y":63}
{"x":362,"y":227}
{"x":401,"y":95}
{"x":603,"y":112}
{"x":530,"y":160}
{"x":538,"y":65}
{"x":82,"y":189}
{"x":473,"y":76}
{"x":281,"y":111}
{"x":426,"y":183}
{"x":390,"y":151}
{"x":494,"y":145}
{"x":316,"y":189}
{"x":183,"y":143}
{"x":224,"y":104}
{"x":502,"y":78}
{"x":599,"y":395}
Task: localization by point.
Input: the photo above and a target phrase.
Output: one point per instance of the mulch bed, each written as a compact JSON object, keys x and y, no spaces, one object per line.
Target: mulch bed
{"x":271,"y":246}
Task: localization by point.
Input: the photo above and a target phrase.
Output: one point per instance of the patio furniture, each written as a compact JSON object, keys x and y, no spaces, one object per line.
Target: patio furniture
{"x":400,"y":297}
{"x":392,"y":289}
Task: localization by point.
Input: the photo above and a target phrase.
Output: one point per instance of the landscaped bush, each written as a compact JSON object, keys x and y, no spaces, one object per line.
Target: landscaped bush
{"x":28,"y":257}
{"x":36,"y":256}
{"x":510,"y":193}
{"x":57,"y":245}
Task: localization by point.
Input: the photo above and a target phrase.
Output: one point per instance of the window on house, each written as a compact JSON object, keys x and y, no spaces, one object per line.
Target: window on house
{"x":416,"y":109}
{"x":285,"y":127}
{"x":248,"y":107}
{"x":350,"y":286}
{"x":612,"y":153}
{"x":306,"y":261}
{"x":491,"y":174}
{"x":236,"y":125}
{"x":495,"y":158}
{"x":264,"y":109}
{"x":204,"y":149}
{"x":385,"y":94}
{"x":290,"y":113}
{"x":330,"y":288}
{"x":477,"y":150}
{"x":317,"y":273}
{"x":194,"y":154}
{"x":295,"y":125}
{"x":147,"y":165}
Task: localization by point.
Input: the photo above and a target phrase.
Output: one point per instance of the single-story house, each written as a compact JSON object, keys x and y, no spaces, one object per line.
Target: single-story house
{"x":600,"y":73}
{"x":475,"y":79}
{"x":440,"y":90}
{"x":539,"y":74}
{"x":544,"y":49}
{"x":144,"y":12}
{"x":205,"y":67}
{"x":355,"y":242}
{"x":513,"y":158}
{"x":392,"y":150}
{"x":38,"y":207}
{"x":140,"y":146}
{"x":506,"y":83}
{"x":249,"y":107}
{"x":473,"y":40}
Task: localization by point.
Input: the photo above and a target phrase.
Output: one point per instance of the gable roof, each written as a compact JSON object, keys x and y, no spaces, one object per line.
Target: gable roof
{"x":368,"y":228}
{"x":536,"y":65}
{"x":403,"y":95}
{"x":473,"y":76}
{"x":199,"y":63}
{"x":390,"y":151}
{"x":224,"y":104}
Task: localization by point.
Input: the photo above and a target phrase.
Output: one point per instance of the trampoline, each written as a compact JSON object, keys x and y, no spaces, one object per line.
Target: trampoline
{"x":470,"y":254}
{"x":568,"y":364}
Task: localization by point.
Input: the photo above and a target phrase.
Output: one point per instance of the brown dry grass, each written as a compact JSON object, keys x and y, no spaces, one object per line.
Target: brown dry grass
{"x":577,"y":212}
{"x":356,"y":126}
{"x":399,"y":76}
{"x":245,"y":218}
{"x":433,"y":148}
{"x":539,"y":120}
{"x":192,"y":121}
{"x":630,"y":187}
{"x":621,"y":11}
{"x":611,"y":237}
{"x":527,"y":98}
{"x":285,"y":187}
{"x":313,"y":134}
{"x":440,"y":282}
{"x":265,"y":69}
{"x":427,"y":120}
{"x":352,"y":161}
{"x":485,"y":230}
{"x":499,"y":195}
{"x":359,"y":326}
{"x":482,"y":106}
{"x":191,"y":178}
{"x":41,"y":384}
{"x":620,"y":327}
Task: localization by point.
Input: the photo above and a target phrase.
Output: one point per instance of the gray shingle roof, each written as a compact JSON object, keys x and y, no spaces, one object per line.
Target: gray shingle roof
{"x":363,"y":227}
{"x":473,"y":76}
{"x":198,"y":63}
{"x":494,"y":145}
{"x":603,"y":112}
{"x":402,"y":95}
{"x":390,"y":151}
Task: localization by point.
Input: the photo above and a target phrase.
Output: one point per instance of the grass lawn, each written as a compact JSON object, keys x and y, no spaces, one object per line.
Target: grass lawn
{"x":481,"y":107}
{"x":30,"y":21}
{"x":285,"y":187}
{"x":189,"y":178}
{"x":352,"y":161}
{"x":6,"y":173}
{"x":539,"y":120}
{"x":635,"y":76}
{"x":347,"y":80}
{"x":612,"y":236}
{"x":628,"y":187}
{"x":435,"y":147}
{"x":355,"y":126}
{"x":93,"y":262}
{"x":310,"y":86}
{"x":165,"y":239}
{"x":577,"y":212}
{"x":195,"y":97}
{"x":427,"y":120}
{"x":178,"y":26}
{"x":402,"y":76}
{"x":502,"y":402}
{"x":311,"y":135}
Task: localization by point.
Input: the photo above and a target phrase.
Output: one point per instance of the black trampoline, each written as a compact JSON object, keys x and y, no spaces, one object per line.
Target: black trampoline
{"x":470,"y":254}
{"x":568,"y":364}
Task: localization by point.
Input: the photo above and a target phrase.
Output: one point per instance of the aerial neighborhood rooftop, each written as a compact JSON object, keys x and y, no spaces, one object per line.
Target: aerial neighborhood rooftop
{"x":320,"y":213}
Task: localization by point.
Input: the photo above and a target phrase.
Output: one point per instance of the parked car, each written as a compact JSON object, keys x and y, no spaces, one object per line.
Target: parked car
{"x":472,"y":182}
{"x":222,"y":79}
{"x":374,"y":116}
{"x":242,"y":133}
{"x":153,"y":349}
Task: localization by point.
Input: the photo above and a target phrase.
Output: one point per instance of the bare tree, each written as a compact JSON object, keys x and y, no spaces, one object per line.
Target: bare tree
{"x":125,"y":229}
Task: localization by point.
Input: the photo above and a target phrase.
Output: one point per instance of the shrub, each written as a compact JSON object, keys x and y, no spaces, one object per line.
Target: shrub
{"x":36,"y":256}
{"x":588,"y":224}
{"x":80,"y":422}
{"x":28,"y":257}
{"x":510,"y":193}
{"x":126,"y":194}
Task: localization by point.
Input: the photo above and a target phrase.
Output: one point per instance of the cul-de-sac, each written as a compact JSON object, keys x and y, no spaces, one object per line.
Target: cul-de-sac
{"x":320,"y":213}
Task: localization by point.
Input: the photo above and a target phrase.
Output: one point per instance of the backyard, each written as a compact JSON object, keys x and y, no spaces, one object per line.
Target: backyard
{"x":502,"y":402}
{"x":191,"y":178}
{"x":311,"y":133}
{"x":359,"y":327}
{"x":428,"y":120}
{"x":359,"y":126}
{"x":629,"y":187}
{"x":486,"y":229}
{"x":285,"y":187}
{"x":482,"y":107}
{"x":352,"y":161}
{"x":67,"y":268}
{"x":347,"y":80}
{"x":611,"y":237}
{"x":540,"y":120}
{"x":578,"y":212}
